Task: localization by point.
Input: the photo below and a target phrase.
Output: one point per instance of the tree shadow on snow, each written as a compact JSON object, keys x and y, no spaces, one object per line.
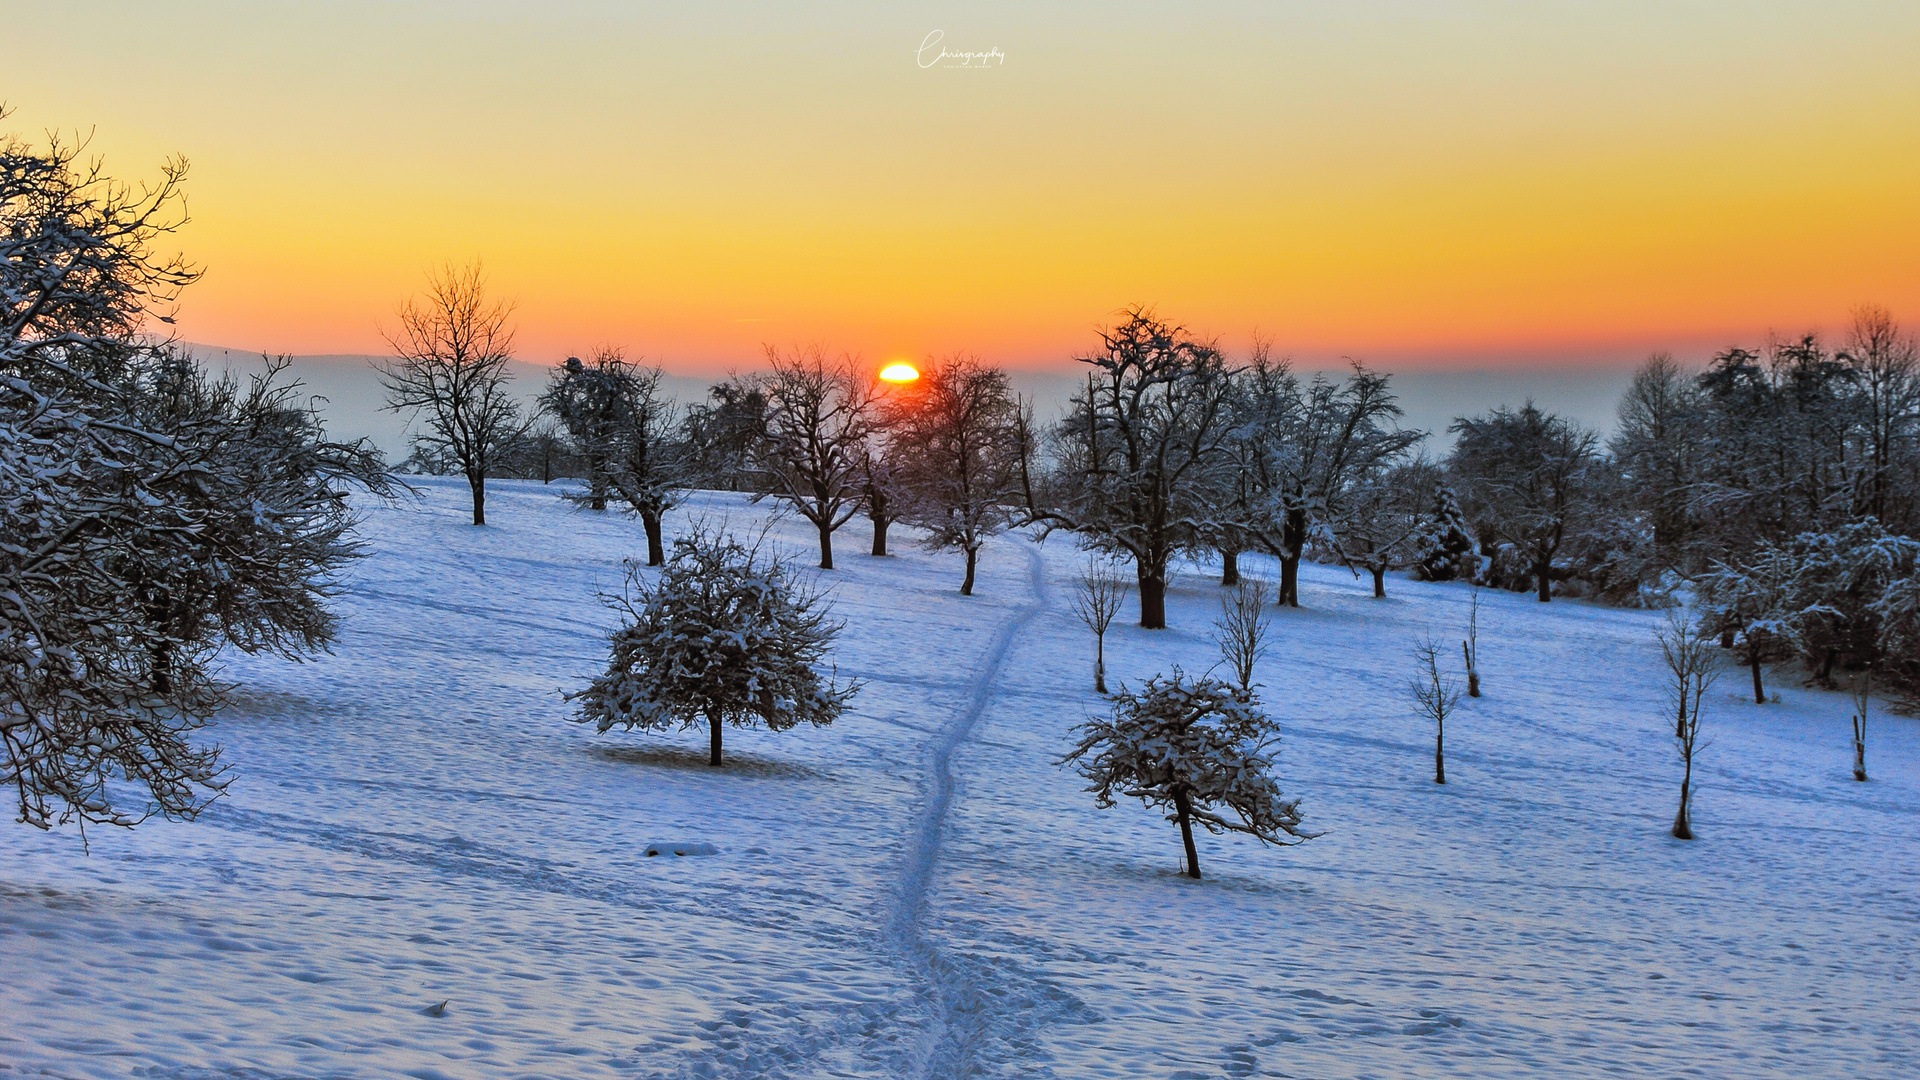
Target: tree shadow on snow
{"x":680,"y":757}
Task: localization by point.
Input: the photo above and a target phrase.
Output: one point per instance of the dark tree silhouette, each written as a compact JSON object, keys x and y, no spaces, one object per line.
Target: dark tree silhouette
{"x":450,"y":374}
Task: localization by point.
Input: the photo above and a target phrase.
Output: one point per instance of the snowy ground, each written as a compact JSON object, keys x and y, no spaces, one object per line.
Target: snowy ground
{"x":919,"y":891}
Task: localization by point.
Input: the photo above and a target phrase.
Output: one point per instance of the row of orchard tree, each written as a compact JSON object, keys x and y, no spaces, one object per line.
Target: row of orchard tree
{"x":151,"y":515}
{"x":1781,"y":487}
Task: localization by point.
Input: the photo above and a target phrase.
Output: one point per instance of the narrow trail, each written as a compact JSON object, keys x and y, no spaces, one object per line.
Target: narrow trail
{"x":958,"y":1027}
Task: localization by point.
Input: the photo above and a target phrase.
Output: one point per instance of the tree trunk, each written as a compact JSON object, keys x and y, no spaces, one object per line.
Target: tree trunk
{"x":1439,"y":753}
{"x":1293,"y":541}
{"x":656,"y":548}
{"x":973,"y":559}
{"x":880,"y":536}
{"x":1229,"y":566}
{"x":713,"y":737}
{"x":1759,"y":694}
{"x":1473,"y":673}
{"x":1100,"y":663}
{"x":478,"y":484}
{"x":1379,"y":583}
{"x":1289,"y":581}
{"x":1185,"y":809}
{"x":1543,"y":573}
{"x":826,"y":546}
{"x":1860,"y":748}
{"x":1153,"y":601}
{"x":1680,"y":724}
{"x":1682,"y":828}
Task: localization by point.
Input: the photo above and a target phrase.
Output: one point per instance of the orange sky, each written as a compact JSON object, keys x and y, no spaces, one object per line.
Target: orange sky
{"x":1417,"y":183}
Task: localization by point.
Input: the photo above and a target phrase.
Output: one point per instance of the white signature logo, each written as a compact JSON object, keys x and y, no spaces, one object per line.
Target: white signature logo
{"x":930,"y":54}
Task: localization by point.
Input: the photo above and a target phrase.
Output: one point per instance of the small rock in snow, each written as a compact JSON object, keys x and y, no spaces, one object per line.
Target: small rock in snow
{"x":667,"y":848}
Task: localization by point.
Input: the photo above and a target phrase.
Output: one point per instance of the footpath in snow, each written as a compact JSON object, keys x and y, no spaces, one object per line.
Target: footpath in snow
{"x":423,"y":869}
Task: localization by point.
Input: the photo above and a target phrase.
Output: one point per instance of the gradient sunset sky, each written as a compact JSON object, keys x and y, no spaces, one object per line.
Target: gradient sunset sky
{"x":1421,"y":184}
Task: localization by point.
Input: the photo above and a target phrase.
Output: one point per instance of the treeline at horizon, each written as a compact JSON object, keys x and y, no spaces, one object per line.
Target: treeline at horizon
{"x":1776,"y":488}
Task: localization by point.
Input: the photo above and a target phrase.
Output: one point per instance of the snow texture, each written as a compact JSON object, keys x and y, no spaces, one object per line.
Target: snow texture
{"x":423,"y":869}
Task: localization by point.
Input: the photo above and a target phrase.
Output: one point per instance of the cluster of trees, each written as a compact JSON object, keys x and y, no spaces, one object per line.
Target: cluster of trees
{"x":1731,"y":479}
{"x":149,"y":514}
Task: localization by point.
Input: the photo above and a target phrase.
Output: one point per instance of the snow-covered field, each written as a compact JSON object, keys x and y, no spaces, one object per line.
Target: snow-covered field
{"x":919,"y":891}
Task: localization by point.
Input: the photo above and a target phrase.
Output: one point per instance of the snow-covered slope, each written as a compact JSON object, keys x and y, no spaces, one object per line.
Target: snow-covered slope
{"x":919,"y":891}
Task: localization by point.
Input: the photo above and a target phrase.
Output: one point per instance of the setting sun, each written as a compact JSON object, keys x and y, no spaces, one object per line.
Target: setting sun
{"x":899,"y":373}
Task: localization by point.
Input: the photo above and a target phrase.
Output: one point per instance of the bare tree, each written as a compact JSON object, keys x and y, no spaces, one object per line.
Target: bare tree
{"x":1242,"y":629}
{"x":953,"y":434}
{"x":450,"y":372}
{"x":1862,"y":690}
{"x":1144,"y":452}
{"x":1692,"y":667}
{"x":1471,"y":646}
{"x":1097,"y":600}
{"x":1436,"y":694}
{"x":1304,"y":451}
{"x":811,"y":450}
{"x":625,"y":428}
{"x":1886,"y":365}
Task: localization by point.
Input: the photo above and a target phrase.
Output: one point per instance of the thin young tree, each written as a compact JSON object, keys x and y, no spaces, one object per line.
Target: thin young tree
{"x":1690,"y":658}
{"x":811,"y":448}
{"x":724,"y":635}
{"x":1096,"y":599}
{"x":450,"y":373}
{"x":1862,"y":693}
{"x":1436,"y":695}
{"x":1241,"y":630}
{"x":1201,"y":747}
{"x":1471,"y":646}
{"x":1692,"y":667}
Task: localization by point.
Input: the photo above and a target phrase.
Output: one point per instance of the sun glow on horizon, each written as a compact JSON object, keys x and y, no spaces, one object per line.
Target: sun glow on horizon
{"x":900,"y":373}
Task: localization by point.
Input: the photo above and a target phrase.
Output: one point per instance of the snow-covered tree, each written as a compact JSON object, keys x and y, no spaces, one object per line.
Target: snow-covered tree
{"x":1380,"y":522}
{"x":1823,"y":595}
{"x":811,"y":447}
{"x":450,"y":375}
{"x":1444,"y":551}
{"x":723,"y":635}
{"x":1200,"y":747}
{"x":625,"y":429}
{"x":1526,"y":478}
{"x":1311,"y":447}
{"x":954,"y":436}
{"x":1143,"y":452}
{"x":148,"y":514}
